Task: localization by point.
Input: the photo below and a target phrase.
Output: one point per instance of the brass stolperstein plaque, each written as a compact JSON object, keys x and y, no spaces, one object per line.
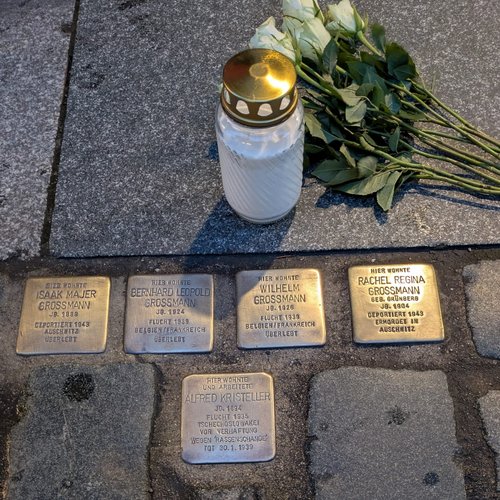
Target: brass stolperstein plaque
{"x":228,"y":418}
{"x":64,"y":315}
{"x":280,"y":308}
{"x":395,"y":303}
{"x":169,"y":313}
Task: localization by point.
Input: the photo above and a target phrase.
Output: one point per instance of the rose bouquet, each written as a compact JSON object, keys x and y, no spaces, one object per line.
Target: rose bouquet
{"x":372,"y":123}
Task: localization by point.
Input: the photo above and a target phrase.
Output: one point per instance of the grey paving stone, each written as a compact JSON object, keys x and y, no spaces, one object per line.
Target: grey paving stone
{"x":490,"y":411}
{"x":383,"y":434}
{"x":34,"y":40}
{"x":483,"y":306}
{"x":139,"y":173}
{"x":85,"y":434}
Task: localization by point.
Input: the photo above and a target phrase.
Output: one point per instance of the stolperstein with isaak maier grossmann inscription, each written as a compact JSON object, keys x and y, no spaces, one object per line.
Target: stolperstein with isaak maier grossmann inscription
{"x":280,"y":308}
{"x":228,"y":418}
{"x":64,"y":315}
{"x":169,"y":313}
{"x":395,"y":303}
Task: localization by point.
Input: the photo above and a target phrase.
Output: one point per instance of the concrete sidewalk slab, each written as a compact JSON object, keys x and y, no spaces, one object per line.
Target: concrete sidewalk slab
{"x":34,"y":40}
{"x":139,"y":172}
{"x":383,"y":434}
{"x":84,"y":433}
{"x":483,"y":306}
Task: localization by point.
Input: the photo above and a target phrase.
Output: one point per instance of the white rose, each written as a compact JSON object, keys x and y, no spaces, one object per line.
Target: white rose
{"x":302,"y":10}
{"x":267,"y":36}
{"x":312,"y":38}
{"x":344,"y":17}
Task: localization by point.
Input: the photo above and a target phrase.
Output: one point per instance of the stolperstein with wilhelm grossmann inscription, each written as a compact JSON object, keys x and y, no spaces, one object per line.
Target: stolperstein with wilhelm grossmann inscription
{"x":228,"y":418}
{"x":64,"y":315}
{"x":169,"y":313}
{"x":280,"y":308}
{"x":395,"y":303}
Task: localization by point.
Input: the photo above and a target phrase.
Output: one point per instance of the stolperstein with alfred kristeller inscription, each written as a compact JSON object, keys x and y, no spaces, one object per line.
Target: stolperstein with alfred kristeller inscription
{"x":228,"y":418}
{"x":169,"y":313}
{"x":395,"y":303}
{"x":64,"y":315}
{"x":280,"y":308}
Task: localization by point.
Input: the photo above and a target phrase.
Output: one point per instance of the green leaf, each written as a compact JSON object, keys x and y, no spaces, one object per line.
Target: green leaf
{"x":349,"y":96}
{"x":369,"y":139}
{"x":328,"y":169}
{"x":399,"y":63}
{"x":319,"y":97}
{"x":342,"y":176}
{"x":378,"y":97}
{"x":333,"y":152}
{"x":354,"y":114}
{"x":378,"y":35}
{"x":367,"y":165}
{"x":308,"y":104}
{"x":312,"y":148}
{"x":366,"y":73}
{"x":324,"y":119}
{"x":316,"y":130}
{"x":369,"y":58}
{"x":406,"y":177}
{"x":386,"y":194}
{"x":330,"y":55}
{"x":306,"y":162}
{"x":336,"y":132}
{"x":371,"y":78}
{"x":414,"y":117}
{"x":345,"y":55}
{"x":405,"y":156}
{"x":403,"y":72}
{"x":344,"y":150}
{"x":365,"y":89}
{"x":392,"y":103}
{"x":394,"y":139}
{"x":359,"y":70}
{"x":366,"y":186}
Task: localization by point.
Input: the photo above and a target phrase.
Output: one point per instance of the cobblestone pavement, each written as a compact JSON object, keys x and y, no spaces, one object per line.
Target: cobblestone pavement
{"x":108,"y":150}
{"x":346,"y":414}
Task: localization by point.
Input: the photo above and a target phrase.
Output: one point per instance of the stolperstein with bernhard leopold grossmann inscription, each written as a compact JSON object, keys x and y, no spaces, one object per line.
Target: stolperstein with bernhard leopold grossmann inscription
{"x":395,"y":303}
{"x":228,"y":418}
{"x":169,"y":313}
{"x":64,"y":315}
{"x":280,"y":308}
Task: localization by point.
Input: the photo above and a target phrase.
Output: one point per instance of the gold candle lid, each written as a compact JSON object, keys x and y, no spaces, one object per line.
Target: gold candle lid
{"x":259,"y":87}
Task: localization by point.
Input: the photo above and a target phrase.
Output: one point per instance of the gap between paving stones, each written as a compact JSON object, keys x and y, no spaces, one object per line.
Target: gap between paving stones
{"x":52,"y":186}
{"x":469,"y":376}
